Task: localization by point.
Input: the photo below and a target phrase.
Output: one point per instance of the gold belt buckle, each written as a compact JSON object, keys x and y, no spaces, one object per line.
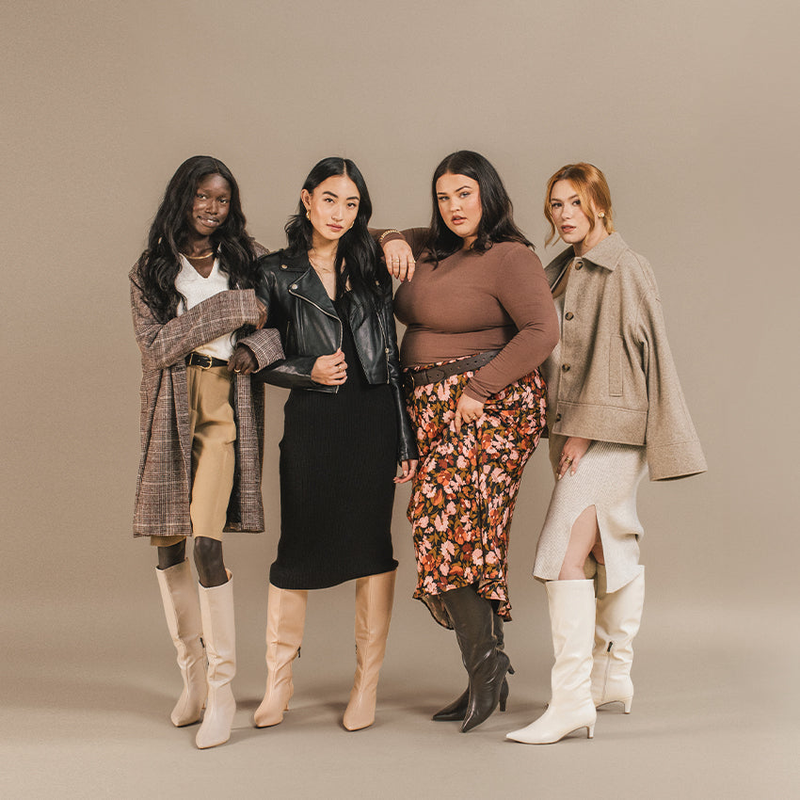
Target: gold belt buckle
{"x":208,"y":359}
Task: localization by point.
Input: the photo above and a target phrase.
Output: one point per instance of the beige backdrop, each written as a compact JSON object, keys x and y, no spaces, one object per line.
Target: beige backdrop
{"x":690,"y":108}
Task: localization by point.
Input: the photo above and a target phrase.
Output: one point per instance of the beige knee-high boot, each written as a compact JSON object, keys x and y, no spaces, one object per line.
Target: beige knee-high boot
{"x":374,"y":598}
{"x":572,"y":614}
{"x":286,"y":617}
{"x":619,"y":615}
{"x":216,"y":611}
{"x":182,"y":611}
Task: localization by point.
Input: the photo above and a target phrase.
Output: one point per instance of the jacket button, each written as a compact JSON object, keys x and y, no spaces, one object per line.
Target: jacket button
{"x":565,"y":367}
{"x":283,"y":266}
{"x":558,"y":417}
{"x":386,"y":350}
{"x":568,"y":315}
{"x":294,"y":286}
{"x":579,"y":265}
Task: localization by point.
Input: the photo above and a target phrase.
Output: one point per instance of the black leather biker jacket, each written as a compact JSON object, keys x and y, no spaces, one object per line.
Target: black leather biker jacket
{"x":309,"y":326}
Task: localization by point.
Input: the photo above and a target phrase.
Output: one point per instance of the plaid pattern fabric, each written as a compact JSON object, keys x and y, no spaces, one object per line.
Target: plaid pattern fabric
{"x":164,"y":479}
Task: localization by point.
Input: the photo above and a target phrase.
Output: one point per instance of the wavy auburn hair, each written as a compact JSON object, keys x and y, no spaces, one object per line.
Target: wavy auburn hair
{"x":592,"y":189}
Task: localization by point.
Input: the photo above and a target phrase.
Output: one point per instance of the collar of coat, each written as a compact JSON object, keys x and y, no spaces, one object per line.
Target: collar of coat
{"x":606,"y":254}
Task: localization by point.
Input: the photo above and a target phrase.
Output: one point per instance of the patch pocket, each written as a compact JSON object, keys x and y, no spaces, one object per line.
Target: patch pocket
{"x":615,"y":366}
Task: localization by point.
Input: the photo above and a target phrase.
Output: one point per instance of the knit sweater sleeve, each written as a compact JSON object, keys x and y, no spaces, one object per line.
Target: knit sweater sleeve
{"x":521,"y":288}
{"x":416,"y":237}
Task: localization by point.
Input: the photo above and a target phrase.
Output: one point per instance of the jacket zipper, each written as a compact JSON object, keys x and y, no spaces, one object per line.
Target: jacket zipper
{"x":385,"y":344}
{"x":327,"y":314}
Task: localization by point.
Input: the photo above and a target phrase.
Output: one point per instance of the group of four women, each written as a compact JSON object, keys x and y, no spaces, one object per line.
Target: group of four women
{"x":497,"y":351}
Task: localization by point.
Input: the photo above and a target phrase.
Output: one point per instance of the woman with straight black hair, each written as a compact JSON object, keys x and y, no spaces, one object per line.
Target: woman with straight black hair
{"x":201,"y":427}
{"x":480,"y":321}
{"x":346,"y":429}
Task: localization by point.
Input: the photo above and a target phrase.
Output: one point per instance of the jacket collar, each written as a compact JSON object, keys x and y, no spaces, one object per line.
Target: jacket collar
{"x":308,"y":285}
{"x":606,"y":254}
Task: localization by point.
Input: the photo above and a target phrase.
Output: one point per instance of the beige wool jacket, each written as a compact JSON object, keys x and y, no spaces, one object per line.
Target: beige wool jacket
{"x":618,"y":382}
{"x":163,"y":486}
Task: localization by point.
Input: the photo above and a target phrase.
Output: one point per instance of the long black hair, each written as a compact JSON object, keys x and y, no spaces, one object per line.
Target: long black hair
{"x":169,"y":234}
{"x":497,"y":213}
{"x":357,"y":253}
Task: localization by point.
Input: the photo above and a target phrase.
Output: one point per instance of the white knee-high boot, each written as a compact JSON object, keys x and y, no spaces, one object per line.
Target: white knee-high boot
{"x":286,"y":617}
{"x":182,"y":611}
{"x":216,"y":610}
{"x":374,"y":598}
{"x":619,"y":615}
{"x":572,"y":616}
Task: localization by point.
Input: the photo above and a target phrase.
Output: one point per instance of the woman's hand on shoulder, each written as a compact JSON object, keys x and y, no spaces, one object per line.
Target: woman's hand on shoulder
{"x":571,"y":454}
{"x":330,"y":370}
{"x":243,"y":360}
{"x":408,"y":468}
{"x":399,"y":259}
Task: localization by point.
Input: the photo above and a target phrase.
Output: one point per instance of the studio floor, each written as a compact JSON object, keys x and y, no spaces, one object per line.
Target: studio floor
{"x":85,"y":714}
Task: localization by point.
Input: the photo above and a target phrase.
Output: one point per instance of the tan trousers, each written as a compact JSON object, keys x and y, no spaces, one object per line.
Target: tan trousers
{"x":213,"y":431}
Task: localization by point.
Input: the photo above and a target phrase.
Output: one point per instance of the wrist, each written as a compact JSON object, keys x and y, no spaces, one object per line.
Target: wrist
{"x":390,"y":235}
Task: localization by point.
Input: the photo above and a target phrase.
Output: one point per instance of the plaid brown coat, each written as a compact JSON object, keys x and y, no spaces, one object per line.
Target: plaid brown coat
{"x":163,"y":486}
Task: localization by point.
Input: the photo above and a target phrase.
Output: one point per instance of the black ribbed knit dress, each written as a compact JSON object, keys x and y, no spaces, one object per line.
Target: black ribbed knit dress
{"x":338,"y":459}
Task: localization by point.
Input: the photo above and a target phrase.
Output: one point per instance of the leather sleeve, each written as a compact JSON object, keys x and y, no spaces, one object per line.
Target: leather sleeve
{"x":292,"y":371}
{"x":406,"y":437}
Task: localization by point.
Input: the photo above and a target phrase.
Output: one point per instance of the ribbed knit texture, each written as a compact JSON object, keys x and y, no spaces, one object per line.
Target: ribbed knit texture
{"x":338,"y":459}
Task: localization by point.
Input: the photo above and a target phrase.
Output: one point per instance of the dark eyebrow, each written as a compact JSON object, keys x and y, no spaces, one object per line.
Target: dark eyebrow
{"x":440,"y":194}
{"x":333,"y":194}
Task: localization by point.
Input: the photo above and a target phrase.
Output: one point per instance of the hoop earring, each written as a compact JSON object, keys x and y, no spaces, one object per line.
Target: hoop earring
{"x":308,"y":215}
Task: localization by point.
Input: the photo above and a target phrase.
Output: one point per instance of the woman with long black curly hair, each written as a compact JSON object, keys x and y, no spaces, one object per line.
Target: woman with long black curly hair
{"x":201,"y":424}
{"x":346,"y":429}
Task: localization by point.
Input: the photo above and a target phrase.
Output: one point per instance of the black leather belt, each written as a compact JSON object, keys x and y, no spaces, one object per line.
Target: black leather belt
{"x":204,"y":361}
{"x":422,"y":377}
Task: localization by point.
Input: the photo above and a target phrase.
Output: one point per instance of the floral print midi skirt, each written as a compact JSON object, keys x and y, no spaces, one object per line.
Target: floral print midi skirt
{"x":464,"y":492}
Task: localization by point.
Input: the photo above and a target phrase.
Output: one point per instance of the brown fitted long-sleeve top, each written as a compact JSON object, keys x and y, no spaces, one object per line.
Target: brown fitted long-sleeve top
{"x":472,"y":302}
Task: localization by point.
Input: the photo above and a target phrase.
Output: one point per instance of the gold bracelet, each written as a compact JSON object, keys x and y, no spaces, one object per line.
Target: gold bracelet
{"x":386,"y":233}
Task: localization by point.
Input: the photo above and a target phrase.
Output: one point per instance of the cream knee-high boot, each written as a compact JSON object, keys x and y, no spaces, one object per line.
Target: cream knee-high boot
{"x":182,"y":611}
{"x":286,"y":617}
{"x":619,"y":615}
{"x":572,"y":618}
{"x":374,"y":598}
{"x":216,"y":611}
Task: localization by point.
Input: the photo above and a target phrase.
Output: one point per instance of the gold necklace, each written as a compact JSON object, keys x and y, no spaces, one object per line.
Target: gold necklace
{"x":198,"y":258}
{"x":322,"y":269}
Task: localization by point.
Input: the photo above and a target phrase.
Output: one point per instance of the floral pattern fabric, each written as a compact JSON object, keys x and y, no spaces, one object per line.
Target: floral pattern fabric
{"x":465,"y":489}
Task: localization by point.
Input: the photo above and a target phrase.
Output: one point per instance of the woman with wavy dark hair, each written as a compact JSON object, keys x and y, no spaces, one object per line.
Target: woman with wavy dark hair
{"x":345,"y":431}
{"x":201,"y":426}
{"x":480,"y":321}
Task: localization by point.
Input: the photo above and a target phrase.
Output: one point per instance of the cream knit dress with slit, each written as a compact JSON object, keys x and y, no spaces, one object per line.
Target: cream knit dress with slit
{"x":607,"y":477}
